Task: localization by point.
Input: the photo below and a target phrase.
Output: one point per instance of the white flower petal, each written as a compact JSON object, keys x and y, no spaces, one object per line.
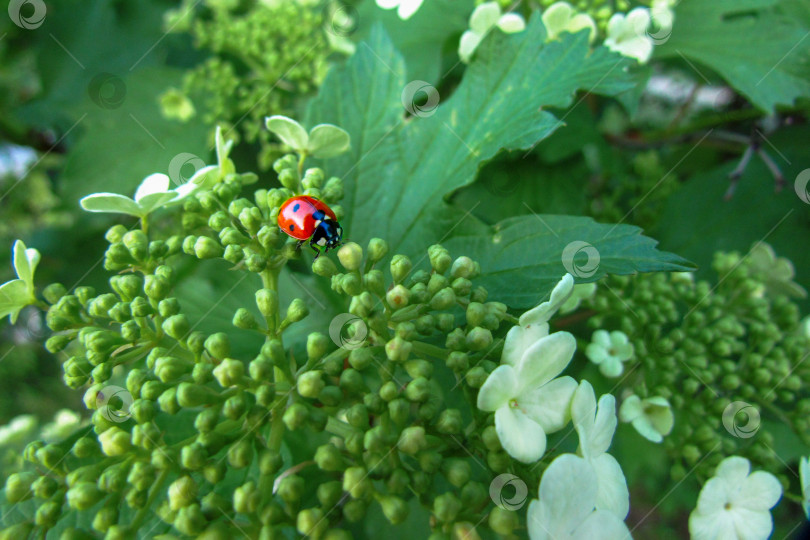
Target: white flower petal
{"x":568,"y":490}
{"x":407,"y":8}
{"x":752,"y":525}
{"x":498,"y":389}
{"x":556,"y":18}
{"x":645,"y":428}
{"x":604,"y":525}
{"x":511,"y":23}
{"x":612,"y":492}
{"x":583,"y":408}
{"x":760,"y":491}
{"x":154,"y":183}
{"x":519,"y":339}
{"x":713,"y":497}
{"x":604,"y":424}
{"x":581,"y":22}
{"x":804,"y":479}
{"x":734,"y":470}
{"x":520,"y":436}
{"x":550,"y":404}
{"x":545,"y":360}
{"x":466,"y":47}
{"x":154,"y":201}
{"x":484,"y":17}
{"x":388,"y":4}
{"x":630,"y":409}
{"x":637,"y":21}
{"x":713,"y":526}
{"x":546,"y":310}
{"x":611,"y":367}
{"x":111,"y":202}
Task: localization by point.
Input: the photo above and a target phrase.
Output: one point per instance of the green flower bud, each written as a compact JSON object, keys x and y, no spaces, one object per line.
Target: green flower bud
{"x":418,"y":390}
{"x":351,"y":284}
{"x":233,"y":254}
{"x":330,"y":396}
{"x":503,"y":521}
{"x":229,"y":236}
{"x":430,"y":461}
{"x":356,"y":482}
{"x":167,"y":401}
{"x":240,"y":454}
{"x":479,"y":339}
{"x":446,"y":506}
{"x":156,"y":287}
{"x":476,"y":376}
{"x":329,"y":493}
{"x":169,"y":368}
{"x":267,"y":300}
{"x":377,"y":249}
{"x":475,"y":313}
{"x":436,"y":283}
{"x":412,"y":440}
{"x":208,"y":248}
{"x":291,"y":489}
{"x":457,"y":471}
{"x":425,"y":324}
{"x":311,"y":522}
{"x":324,"y":267}
{"x":219,"y":220}
{"x":44,"y":487}
{"x":218,"y":345}
{"x":83,"y":495}
{"x":333,"y":190}
{"x":398,"y":350}
{"x":398,"y":297}
{"x":195,"y":395}
{"x":168,"y":307}
{"x":479,"y":294}
{"x":400,"y":267}
{"x":374,"y":281}
{"x":297,"y":310}
{"x":399,"y":410}
{"x":458,"y":361}
{"x":46,"y":517}
{"x":146,"y":436}
{"x":456,"y":340}
{"x":251,"y":219}
{"x":193,"y":456}
{"x":295,"y":416}
{"x":54,"y":292}
{"x":461,"y":286}
{"x":244,"y":319}
{"x":141,"y":476}
{"x":360,"y":358}
{"x":152,"y":390}
{"x":140,"y":307}
{"x":450,"y":422}
{"x":142,"y":410}
{"x":115,"y":442}
{"x":394,"y":509}
{"x":464,"y":267}
{"x":229,"y":372}
{"x":190,"y":520}
{"x":328,"y":458}
{"x":19,"y":487}
{"x":207,"y":420}
{"x":288,"y":179}
{"x":440,"y":258}
{"x":357,"y":416}
{"x":310,"y":384}
{"x":350,"y":256}
{"x":444,"y":299}
{"x":317,"y":419}
{"x":114,"y":479}
{"x":137,"y":244}
{"x":354,"y":510}
{"x":235,"y":406}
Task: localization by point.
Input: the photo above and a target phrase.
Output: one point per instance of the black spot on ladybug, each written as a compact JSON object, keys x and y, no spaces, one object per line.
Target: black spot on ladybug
{"x":295,"y":209}
{"x":292,"y":227}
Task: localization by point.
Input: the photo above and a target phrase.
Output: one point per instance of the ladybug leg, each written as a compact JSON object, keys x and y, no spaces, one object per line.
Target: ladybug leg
{"x":316,"y":250}
{"x":299,"y":244}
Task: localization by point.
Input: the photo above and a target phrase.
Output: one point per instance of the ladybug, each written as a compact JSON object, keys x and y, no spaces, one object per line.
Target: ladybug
{"x":307,"y":218}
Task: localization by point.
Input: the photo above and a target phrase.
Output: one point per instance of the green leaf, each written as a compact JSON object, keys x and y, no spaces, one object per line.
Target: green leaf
{"x":398,"y":171}
{"x":326,"y":141}
{"x":524,"y":257}
{"x":111,"y":202}
{"x":289,"y":131}
{"x":758,"y":49}
{"x":14,"y":296}
{"x":25,"y":263}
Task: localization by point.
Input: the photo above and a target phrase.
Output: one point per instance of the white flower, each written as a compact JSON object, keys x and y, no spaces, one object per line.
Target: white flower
{"x":595,"y":425}
{"x":18,"y":293}
{"x":483,"y":19}
{"x":735,"y":504}
{"x":662,"y":14}
{"x":405,"y":8}
{"x":608,"y":351}
{"x":528,"y":400}
{"x":562,"y":17}
{"x":804,"y":479}
{"x":153,"y":193}
{"x":652,"y":417}
{"x":567,"y":506}
{"x":533,"y":325}
{"x":16,"y":431}
{"x":627,"y":34}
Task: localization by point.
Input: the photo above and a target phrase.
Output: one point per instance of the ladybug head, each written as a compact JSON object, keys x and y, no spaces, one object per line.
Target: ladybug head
{"x":328,"y":234}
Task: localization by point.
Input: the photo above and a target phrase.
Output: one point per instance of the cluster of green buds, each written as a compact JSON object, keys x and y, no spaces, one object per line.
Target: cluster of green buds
{"x":261,"y":39}
{"x":724,"y":357}
{"x":188,"y":438}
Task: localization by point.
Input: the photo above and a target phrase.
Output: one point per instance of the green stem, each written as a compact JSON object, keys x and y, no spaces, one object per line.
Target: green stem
{"x":270,"y":281}
{"x":430,"y":350}
{"x":338,"y":427}
{"x":301,"y":160}
{"x":153,"y":493}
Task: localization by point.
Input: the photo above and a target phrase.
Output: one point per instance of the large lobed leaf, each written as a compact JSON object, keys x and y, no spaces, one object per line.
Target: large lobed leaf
{"x":761,"y":47}
{"x":523,"y":255}
{"x":401,"y":170}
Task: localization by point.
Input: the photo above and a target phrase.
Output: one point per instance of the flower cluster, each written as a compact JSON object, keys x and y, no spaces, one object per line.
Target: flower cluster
{"x":255,"y":57}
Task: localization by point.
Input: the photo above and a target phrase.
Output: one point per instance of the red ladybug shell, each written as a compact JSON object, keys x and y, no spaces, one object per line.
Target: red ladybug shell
{"x":295,"y":217}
